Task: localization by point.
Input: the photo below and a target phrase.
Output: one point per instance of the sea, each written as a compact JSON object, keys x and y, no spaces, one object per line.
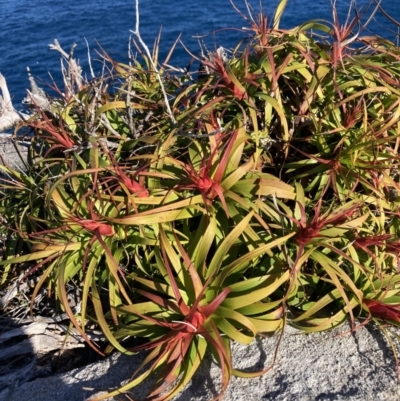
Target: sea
{"x":28,"y":27}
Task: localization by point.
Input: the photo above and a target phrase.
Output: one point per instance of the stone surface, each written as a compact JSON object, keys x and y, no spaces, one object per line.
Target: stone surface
{"x":315,"y":367}
{"x":12,"y":154}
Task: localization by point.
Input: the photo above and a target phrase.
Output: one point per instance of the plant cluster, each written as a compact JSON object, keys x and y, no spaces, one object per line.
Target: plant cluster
{"x":270,"y":196}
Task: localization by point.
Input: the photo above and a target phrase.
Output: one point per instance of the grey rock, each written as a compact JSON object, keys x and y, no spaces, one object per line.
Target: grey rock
{"x":335,"y":365}
{"x":13,"y":154}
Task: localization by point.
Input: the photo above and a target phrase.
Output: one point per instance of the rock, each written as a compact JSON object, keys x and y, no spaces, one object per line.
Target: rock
{"x":13,"y":154}
{"x":332,"y":365}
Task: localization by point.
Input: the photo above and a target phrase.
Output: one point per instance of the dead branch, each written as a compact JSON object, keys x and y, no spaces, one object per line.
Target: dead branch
{"x":41,"y":343}
{"x":36,"y":96}
{"x":137,"y":34}
{"x":9,"y":117}
{"x":72,"y":76}
{"x":32,"y":329}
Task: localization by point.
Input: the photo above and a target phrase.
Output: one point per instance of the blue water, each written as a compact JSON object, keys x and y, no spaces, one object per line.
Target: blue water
{"x":29,"y":26}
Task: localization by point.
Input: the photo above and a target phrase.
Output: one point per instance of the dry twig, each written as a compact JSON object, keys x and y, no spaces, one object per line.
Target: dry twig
{"x":9,"y":117}
{"x":137,"y":34}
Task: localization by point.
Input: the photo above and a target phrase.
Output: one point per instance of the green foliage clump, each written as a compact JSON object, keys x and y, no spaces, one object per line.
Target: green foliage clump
{"x":267,"y":195}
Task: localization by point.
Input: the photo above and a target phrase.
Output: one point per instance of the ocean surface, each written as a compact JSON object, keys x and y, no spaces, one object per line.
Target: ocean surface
{"x":29,"y":26}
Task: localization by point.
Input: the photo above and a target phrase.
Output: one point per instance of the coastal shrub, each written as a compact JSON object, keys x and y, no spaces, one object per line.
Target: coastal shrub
{"x":265,"y":194}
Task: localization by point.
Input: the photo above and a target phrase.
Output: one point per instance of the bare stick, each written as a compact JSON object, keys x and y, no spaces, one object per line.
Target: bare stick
{"x":5,"y":101}
{"x":36,"y":96}
{"x":74,"y":73}
{"x":90,"y":60}
{"x":137,"y":34}
{"x":9,"y":117}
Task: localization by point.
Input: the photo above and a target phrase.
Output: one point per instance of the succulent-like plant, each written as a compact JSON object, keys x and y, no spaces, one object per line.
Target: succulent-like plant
{"x":196,"y":213}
